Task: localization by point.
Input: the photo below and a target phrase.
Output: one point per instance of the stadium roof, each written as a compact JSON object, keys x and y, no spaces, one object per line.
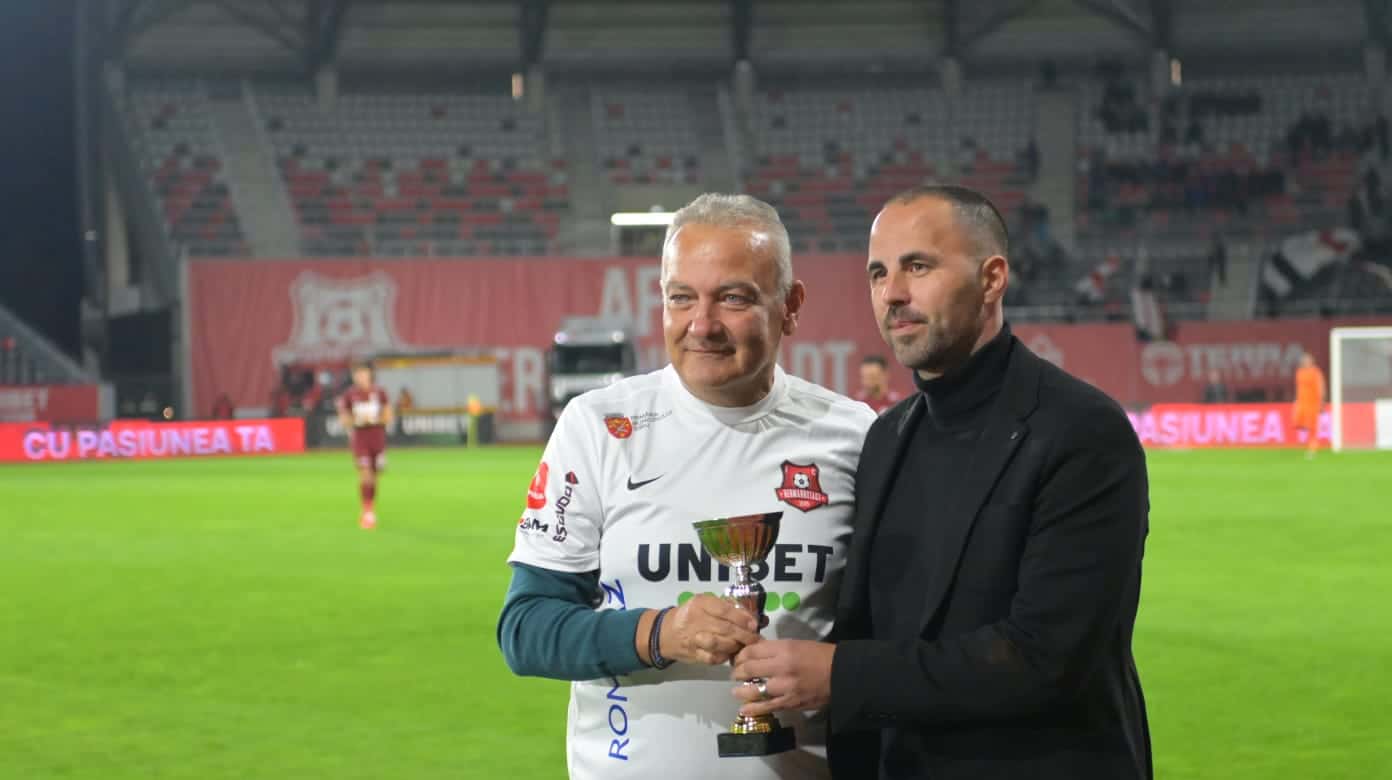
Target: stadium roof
{"x":296,"y":36}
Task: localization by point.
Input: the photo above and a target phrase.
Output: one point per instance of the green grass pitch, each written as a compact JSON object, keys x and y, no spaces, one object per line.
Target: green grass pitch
{"x":228,"y":619}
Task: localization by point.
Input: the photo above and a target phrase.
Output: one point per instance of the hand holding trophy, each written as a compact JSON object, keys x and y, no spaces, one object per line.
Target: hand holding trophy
{"x":740,"y":543}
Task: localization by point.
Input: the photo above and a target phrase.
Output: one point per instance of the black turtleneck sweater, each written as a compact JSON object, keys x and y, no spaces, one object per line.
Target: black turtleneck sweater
{"x":957,"y":407}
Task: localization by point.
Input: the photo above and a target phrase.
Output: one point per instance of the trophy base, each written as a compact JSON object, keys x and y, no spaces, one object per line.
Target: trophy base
{"x":765,"y":743}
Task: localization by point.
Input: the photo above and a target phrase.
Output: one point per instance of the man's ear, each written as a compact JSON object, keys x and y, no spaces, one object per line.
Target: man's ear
{"x":792,"y":305}
{"x":995,"y":277}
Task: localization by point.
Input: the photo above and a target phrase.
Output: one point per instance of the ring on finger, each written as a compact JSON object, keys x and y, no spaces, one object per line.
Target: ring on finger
{"x":761,"y":685}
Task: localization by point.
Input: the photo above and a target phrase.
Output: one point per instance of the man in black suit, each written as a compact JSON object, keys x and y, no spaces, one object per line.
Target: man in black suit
{"x":985,"y":619}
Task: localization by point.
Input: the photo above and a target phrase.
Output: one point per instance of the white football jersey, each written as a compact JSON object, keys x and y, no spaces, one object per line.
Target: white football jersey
{"x":367,"y":412}
{"x":627,"y":471}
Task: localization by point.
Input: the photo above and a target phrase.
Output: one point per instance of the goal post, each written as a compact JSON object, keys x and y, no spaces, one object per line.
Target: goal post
{"x":1360,"y":388}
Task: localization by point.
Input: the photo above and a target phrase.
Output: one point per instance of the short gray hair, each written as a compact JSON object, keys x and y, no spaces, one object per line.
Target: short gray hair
{"x":722,"y":210}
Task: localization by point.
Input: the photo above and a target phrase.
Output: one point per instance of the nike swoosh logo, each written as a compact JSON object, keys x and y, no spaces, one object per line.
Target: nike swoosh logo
{"x":635,"y":485}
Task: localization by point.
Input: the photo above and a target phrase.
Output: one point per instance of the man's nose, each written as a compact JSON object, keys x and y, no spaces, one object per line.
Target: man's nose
{"x":705,"y":321}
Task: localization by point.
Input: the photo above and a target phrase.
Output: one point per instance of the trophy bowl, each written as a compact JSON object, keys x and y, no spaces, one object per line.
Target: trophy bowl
{"x":737,"y":541}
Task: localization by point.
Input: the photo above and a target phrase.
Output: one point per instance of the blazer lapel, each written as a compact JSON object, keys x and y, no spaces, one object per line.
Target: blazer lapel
{"x":879,"y":467}
{"x":1004,"y":432}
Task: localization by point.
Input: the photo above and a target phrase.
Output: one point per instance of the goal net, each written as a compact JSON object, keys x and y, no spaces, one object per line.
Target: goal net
{"x":1360,"y":388}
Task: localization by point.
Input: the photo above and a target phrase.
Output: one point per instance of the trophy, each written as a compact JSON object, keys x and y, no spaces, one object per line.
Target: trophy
{"x":741,"y":542}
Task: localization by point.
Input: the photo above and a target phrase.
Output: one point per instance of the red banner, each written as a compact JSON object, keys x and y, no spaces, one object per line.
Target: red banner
{"x":1099,"y":354}
{"x":50,"y":403}
{"x":247,"y":317}
{"x":138,"y":439}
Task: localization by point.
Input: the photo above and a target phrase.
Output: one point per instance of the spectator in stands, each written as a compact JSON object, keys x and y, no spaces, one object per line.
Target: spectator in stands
{"x":1369,"y":207}
{"x":222,"y":407}
{"x":1026,"y":268}
{"x":1215,"y":392}
{"x":1193,"y":134}
{"x":1358,"y":216}
{"x":1218,"y":259}
{"x":966,"y":154}
{"x":1031,"y":160}
{"x":1177,"y":286}
{"x":310,"y":400}
{"x":280,"y":402}
{"x":149,"y":406}
{"x":874,"y":385}
{"x":1312,"y":133}
{"x":405,"y":402}
{"x":1168,"y":135}
{"x":1352,"y":141}
{"x":1094,"y":167}
{"x":1119,"y":112}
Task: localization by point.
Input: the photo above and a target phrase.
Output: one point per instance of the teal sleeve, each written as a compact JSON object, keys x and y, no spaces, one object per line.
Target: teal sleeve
{"x":549,"y":627}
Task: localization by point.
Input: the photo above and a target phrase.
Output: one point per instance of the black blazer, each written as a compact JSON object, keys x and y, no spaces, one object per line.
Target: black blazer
{"x":1030,"y":578}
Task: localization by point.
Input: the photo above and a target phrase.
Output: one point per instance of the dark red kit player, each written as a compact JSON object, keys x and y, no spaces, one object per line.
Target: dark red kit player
{"x":365,"y":413}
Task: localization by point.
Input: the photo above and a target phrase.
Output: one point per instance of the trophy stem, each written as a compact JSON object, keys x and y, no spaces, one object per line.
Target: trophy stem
{"x":746,"y":592}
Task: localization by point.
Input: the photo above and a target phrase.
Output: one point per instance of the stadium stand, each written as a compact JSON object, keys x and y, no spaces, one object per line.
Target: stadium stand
{"x":828,"y":158}
{"x":413,"y":173}
{"x":996,"y":121}
{"x":179,"y":152}
{"x":1256,"y":156}
{"x":645,"y":136}
{"x":410,"y":174}
{"x":803,"y":163}
{"x":1231,"y":153}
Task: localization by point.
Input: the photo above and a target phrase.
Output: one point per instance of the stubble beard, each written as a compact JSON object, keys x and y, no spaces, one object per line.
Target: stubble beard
{"x":937,"y":349}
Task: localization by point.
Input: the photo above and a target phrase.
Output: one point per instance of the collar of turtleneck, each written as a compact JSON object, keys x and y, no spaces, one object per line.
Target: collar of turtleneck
{"x":973,"y":384}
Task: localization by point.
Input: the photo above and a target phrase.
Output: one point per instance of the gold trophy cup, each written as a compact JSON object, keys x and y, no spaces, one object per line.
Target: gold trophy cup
{"x":740,"y":543}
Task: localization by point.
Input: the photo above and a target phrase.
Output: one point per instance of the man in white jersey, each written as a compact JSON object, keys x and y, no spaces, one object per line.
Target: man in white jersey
{"x":605,"y":550}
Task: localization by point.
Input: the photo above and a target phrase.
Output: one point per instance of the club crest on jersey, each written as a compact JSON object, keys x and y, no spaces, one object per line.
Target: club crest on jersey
{"x":802,"y":486}
{"x":620,"y":427}
{"x":536,"y":492}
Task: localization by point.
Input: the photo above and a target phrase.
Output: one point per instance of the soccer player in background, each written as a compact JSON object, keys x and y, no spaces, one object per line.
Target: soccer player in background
{"x":365,"y":413}
{"x":606,"y":561}
{"x":874,"y":385}
{"x":1309,"y":401}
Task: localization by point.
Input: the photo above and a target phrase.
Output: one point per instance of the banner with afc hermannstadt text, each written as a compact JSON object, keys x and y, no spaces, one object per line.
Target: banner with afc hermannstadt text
{"x":246,"y":317}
